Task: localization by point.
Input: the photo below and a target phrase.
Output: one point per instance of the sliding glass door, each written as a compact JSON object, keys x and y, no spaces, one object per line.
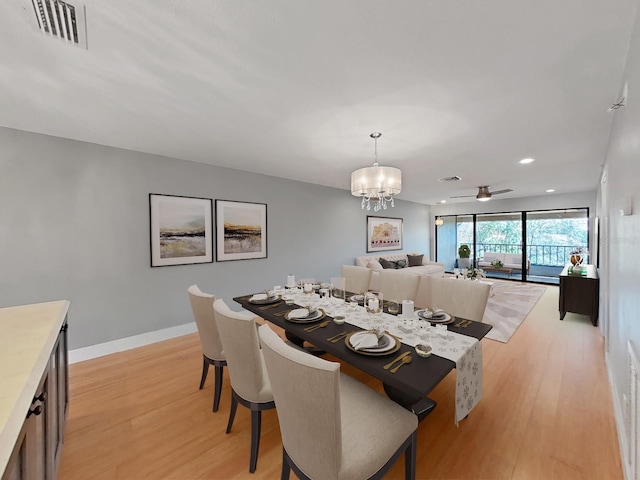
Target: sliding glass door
{"x":551,"y":235}
{"x":499,"y":244}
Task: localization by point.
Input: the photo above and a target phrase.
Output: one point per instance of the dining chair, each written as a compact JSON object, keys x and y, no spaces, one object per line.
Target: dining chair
{"x":461,"y":298}
{"x":212,"y":353}
{"x":357,"y":278}
{"x":398,"y":285}
{"x":247,"y":372}
{"x":334,"y":427}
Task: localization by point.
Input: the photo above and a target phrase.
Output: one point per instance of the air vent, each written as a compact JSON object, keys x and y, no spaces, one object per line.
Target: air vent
{"x":61,"y":20}
{"x":455,"y":178}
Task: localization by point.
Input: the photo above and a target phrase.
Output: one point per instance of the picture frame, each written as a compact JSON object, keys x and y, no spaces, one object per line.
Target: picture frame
{"x":384,"y":234}
{"x":181,"y":230}
{"x":241,"y":230}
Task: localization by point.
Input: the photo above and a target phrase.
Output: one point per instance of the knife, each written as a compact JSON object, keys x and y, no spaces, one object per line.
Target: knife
{"x":397,"y":359}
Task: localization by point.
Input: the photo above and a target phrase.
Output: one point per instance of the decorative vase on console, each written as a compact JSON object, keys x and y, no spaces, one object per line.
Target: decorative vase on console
{"x":577,"y":256}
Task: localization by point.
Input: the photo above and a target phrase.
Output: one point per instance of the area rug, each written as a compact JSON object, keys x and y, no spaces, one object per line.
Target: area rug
{"x":508,"y":305}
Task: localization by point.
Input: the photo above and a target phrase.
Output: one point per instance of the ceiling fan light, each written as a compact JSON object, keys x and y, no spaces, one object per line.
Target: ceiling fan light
{"x":484,"y":195}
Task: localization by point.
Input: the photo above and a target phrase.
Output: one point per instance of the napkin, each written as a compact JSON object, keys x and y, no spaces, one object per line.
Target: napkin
{"x":299,"y":313}
{"x":258,"y":297}
{"x":364,"y":340}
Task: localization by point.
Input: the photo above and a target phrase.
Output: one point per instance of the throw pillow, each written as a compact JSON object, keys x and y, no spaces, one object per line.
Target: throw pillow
{"x":399,"y":264}
{"x":415,"y":260}
{"x":374,"y":265}
{"x":385,"y":263}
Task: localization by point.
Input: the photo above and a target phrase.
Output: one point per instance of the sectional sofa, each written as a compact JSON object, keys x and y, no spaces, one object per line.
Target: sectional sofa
{"x":412,"y":261}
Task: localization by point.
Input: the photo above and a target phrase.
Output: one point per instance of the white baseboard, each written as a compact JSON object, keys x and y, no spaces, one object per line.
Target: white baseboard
{"x":122,"y":344}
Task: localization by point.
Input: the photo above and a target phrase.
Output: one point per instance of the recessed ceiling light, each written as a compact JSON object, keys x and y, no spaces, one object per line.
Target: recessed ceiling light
{"x":549,"y":190}
{"x":524,"y":161}
{"x":441,"y":201}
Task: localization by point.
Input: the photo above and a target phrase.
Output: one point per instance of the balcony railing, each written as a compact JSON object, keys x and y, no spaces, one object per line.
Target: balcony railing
{"x":548,"y":255}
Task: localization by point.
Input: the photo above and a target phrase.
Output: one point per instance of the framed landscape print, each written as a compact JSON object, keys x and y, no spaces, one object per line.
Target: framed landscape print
{"x":384,"y":233}
{"x":241,"y":230}
{"x":181,"y":230}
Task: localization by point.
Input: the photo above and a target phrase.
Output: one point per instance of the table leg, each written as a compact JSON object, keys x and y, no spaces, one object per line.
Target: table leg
{"x":421,"y":406}
{"x":562,"y":314}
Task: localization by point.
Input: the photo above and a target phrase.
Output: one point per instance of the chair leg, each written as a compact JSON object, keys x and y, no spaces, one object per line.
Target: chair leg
{"x":232,"y":412}
{"x":205,"y":370}
{"x":217,"y":390}
{"x":256,"y":424}
{"x":286,"y":469}
{"x":410,"y":458}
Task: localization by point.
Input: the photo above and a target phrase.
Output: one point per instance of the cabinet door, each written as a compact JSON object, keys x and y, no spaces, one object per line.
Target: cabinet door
{"x":28,"y":461}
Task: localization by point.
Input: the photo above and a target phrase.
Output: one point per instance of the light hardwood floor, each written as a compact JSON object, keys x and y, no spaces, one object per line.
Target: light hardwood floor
{"x":546,"y":414}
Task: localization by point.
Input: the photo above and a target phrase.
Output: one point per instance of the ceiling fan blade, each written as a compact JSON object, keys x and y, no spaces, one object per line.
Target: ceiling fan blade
{"x":498,"y":192}
{"x":462,"y":196}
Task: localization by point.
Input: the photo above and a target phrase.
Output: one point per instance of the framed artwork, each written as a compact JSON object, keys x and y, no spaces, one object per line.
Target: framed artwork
{"x":181,"y":230}
{"x":384,"y":233}
{"x":241,"y":230}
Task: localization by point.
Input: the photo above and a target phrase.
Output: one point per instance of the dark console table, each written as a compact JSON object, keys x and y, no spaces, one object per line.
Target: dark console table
{"x":579,"y":293}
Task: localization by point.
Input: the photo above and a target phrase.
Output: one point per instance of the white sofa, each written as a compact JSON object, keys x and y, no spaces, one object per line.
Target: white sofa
{"x":371,"y":262}
{"x":509,"y":260}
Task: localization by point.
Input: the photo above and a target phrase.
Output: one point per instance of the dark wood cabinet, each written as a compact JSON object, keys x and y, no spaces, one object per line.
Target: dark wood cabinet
{"x":579,"y":293}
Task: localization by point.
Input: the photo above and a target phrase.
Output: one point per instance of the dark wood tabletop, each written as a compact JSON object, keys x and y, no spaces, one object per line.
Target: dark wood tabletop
{"x":414,"y":380}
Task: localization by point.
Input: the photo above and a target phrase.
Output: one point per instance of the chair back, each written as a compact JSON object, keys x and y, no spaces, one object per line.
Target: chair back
{"x":306,"y":390}
{"x":460,"y":298}
{"x":398,"y":285}
{"x":357,"y":278}
{"x":247,"y":372}
{"x":202,"y":307}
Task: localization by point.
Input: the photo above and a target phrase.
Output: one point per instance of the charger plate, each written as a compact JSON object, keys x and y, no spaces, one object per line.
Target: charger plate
{"x":372,"y":351}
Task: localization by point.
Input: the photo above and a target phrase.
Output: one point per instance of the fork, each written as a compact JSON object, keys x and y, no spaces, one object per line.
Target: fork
{"x":313,"y":328}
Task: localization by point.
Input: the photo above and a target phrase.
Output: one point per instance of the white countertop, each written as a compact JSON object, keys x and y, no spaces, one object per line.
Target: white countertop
{"x":28,"y":336}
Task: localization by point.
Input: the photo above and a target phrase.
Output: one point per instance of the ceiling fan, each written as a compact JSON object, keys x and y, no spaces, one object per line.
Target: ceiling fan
{"x":484,"y":195}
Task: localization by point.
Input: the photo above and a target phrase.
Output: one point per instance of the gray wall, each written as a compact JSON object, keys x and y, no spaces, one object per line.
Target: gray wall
{"x":620,"y":268}
{"x":75,"y":225}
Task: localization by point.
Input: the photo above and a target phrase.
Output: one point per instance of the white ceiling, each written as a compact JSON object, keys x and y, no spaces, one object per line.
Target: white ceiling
{"x":294,"y":88}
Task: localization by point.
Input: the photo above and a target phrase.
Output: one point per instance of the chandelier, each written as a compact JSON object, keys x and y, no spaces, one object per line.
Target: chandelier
{"x":376,"y":185}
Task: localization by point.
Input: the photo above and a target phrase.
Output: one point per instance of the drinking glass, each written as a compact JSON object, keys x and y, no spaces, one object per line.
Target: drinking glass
{"x":456,"y":272}
{"x":393,"y":307}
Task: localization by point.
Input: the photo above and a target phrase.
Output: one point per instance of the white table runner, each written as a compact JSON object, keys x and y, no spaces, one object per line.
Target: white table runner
{"x":464,"y":351}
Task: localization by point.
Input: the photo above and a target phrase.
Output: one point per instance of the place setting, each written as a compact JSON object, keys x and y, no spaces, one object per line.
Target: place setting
{"x":305,"y":315}
{"x":434,"y":315}
{"x":374,"y":342}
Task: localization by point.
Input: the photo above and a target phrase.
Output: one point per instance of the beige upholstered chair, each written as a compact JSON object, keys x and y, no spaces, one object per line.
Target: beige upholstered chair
{"x":398,"y":285}
{"x":212,"y":353}
{"x":357,"y":278}
{"x":460,"y":298}
{"x":249,"y":380}
{"x":332,"y":426}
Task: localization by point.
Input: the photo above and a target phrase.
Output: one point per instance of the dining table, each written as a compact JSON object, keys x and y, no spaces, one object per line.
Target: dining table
{"x":409,"y":385}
